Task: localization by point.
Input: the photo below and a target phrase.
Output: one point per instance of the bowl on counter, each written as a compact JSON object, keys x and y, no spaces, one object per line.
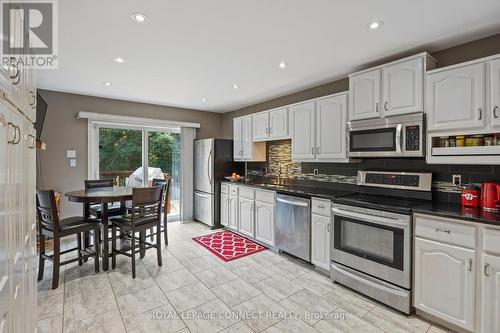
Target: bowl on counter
{"x":234,"y":179}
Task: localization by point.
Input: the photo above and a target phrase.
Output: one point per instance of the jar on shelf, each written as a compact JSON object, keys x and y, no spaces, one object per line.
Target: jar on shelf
{"x":497,"y":139}
{"x":460,"y":140}
{"x":444,"y":141}
{"x":474,"y":141}
{"x":489,"y":140}
{"x":453,"y":141}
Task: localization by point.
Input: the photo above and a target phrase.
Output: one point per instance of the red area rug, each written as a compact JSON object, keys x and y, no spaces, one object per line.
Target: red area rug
{"x":228,"y":246}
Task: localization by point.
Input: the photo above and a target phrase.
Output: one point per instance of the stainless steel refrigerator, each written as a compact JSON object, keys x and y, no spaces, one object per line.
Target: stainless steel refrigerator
{"x":213,"y":160}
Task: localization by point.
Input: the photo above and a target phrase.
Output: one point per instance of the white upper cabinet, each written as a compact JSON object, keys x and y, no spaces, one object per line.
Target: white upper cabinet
{"x":260,"y":122}
{"x":495,"y":92}
{"x":364,"y":95}
{"x":456,"y":98}
{"x":403,"y":87}
{"x":278,"y":124}
{"x":303,"y":125}
{"x":244,"y":147}
{"x":237,"y":139}
{"x":270,"y":125}
{"x":445,"y":282}
{"x":490,"y":320}
{"x":331,"y":119}
{"x":246,"y":138}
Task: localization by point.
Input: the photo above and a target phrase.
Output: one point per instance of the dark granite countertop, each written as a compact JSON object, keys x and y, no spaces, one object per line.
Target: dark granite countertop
{"x":302,"y":191}
{"x":456,"y":211}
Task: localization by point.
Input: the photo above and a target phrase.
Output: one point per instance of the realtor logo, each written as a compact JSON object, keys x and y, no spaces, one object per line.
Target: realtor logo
{"x":29,"y":33}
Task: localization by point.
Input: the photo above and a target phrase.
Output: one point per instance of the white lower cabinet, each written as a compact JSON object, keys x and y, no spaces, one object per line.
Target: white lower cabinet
{"x":224,"y":209}
{"x":232,"y":217}
{"x":264,"y":222}
{"x":490,"y":297}
{"x":246,"y":216}
{"x":445,"y":281}
{"x":320,"y":240}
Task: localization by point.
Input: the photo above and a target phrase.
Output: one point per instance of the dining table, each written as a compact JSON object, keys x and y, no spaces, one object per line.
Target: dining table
{"x":103,"y":196}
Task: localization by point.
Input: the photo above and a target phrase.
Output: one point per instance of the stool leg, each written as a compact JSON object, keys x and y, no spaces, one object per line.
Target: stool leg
{"x":96,"y":248}
{"x":79,"y":241}
{"x":142,"y":239}
{"x":158,"y":245}
{"x":165,"y":229}
{"x":113,"y":247}
{"x":57,"y":260}
{"x":41,"y":260}
{"x":133,"y":253}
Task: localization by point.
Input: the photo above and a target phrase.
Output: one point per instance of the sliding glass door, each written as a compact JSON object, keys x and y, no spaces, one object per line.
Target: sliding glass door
{"x":125,"y":152}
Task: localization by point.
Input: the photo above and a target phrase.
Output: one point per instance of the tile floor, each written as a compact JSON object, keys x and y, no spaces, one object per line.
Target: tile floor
{"x":194,"y":291}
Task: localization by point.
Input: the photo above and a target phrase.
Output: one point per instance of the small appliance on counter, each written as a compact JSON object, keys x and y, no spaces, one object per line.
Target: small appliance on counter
{"x":490,"y":196}
{"x":470,"y":195}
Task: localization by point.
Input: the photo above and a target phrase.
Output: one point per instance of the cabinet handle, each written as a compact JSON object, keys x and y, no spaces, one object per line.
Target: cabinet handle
{"x":385,"y":106}
{"x":470,"y":265}
{"x":321,"y":206}
{"x":18,"y":136}
{"x":443,"y":230}
{"x":495,"y":108}
{"x":16,"y":78}
{"x":33,"y":141}
{"x":270,"y":130}
{"x":328,"y":227}
{"x":11,"y":125}
{"x":486,"y":269}
{"x":312,"y":150}
{"x":376,"y":107}
{"x":318,"y":151}
{"x":480,"y":113}
{"x":32,"y":94}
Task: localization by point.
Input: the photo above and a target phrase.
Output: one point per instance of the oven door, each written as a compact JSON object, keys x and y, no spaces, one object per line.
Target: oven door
{"x":373,"y":242}
{"x":373,"y":142}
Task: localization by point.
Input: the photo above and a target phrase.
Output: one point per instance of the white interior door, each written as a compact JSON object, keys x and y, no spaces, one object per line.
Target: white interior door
{"x":403,"y":87}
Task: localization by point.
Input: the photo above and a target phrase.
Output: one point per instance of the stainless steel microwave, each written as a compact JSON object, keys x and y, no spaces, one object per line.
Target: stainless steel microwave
{"x":396,"y":136}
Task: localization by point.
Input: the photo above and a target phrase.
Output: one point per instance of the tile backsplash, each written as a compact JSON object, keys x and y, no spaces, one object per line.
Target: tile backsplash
{"x":279,"y":165}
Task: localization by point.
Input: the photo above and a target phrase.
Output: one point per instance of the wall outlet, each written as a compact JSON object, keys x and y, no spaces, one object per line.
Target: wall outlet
{"x":457,"y":180}
{"x":71,"y":153}
{"x":316,"y":172}
{"x":72,"y":162}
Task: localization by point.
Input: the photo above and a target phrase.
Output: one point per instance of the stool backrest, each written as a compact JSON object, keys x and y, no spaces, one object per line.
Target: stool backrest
{"x":98,"y":183}
{"x":47,"y":210}
{"x":146,"y":204}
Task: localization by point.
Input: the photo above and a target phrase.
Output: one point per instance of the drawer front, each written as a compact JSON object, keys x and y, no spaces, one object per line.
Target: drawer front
{"x":265,"y":196}
{"x":246,"y":192}
{"x":491,"y":240}
{"x":321,"y":207}
{"x":224,"y":188}
{"x":445,"y":230}
{"x":233,"y":189}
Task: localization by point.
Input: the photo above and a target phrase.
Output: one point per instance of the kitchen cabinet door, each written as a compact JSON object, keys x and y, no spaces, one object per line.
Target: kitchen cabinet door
{"x":403,"y":87}
{"x":456,"y":98}
{"x":246,"y":216}
{"x":224,"y":209}
{"x":237,"y":139}
{"x":445,"y":282}
{"x":495,"y":92}
{"x":233,"y":212}
{"x":278,"y":124}
{"x":303,"y":131}
{"x":320,"y":241}
{"x":246,"y":138}
{"x":490,"y":317}
{"x":264,"y":222}
{"x":331,"y":119}
{"x":260,"y":124}
{"x":364,"y":95}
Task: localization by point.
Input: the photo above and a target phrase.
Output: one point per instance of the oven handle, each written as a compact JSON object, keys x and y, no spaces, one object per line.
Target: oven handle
{"x":398,"y":138}
{"x":388,"y":221}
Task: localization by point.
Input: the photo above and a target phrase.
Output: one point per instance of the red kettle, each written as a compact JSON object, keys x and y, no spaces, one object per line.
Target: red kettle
{"x":490,"y":196}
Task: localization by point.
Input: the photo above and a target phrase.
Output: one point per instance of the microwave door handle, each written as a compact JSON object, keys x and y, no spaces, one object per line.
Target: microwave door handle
{"x":387,"y":221}
{"x":398,"y":138}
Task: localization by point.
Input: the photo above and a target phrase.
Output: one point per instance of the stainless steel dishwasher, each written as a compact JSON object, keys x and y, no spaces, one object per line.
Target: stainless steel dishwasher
{"x":293,"y":226}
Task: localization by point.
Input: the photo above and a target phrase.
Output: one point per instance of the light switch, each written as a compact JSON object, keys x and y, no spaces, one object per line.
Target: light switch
{"x":71,"y":153}
{"x":72,"y":162}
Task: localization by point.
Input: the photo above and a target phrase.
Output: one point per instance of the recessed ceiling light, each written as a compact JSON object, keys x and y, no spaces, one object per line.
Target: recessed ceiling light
{"x":106,"y":83}
{"x":236,"y":86}
{"x":119,"y":60}
{"x":203,"y":99}
{"x":138,"y":17}
{"x":282,"y":65}
{"x":375,"y":25}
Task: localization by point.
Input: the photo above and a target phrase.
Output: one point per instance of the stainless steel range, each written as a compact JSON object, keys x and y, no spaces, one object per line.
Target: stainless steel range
{"x":372,"y":232}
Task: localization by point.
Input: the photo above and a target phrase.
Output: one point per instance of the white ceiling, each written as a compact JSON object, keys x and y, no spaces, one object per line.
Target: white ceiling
{"x":194,"y":49}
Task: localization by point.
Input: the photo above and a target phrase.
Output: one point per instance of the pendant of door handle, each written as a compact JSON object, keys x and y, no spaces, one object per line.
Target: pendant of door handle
{"x":495,"y":108}
{"x":470,"y":265}
{"x":318,"y":151}
{"x":328,"y":227}
{"x":376,"y":107}
{"x":385,"y":106}
{"x":480,"y":113}
{"x":270,"y":130}
{"x":312,"y":150}
{"x":486,"y":269}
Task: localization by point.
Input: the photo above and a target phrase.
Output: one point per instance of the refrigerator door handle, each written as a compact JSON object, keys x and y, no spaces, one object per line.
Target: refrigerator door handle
{"x":208,"y":167}
{"x":202,"y":195}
